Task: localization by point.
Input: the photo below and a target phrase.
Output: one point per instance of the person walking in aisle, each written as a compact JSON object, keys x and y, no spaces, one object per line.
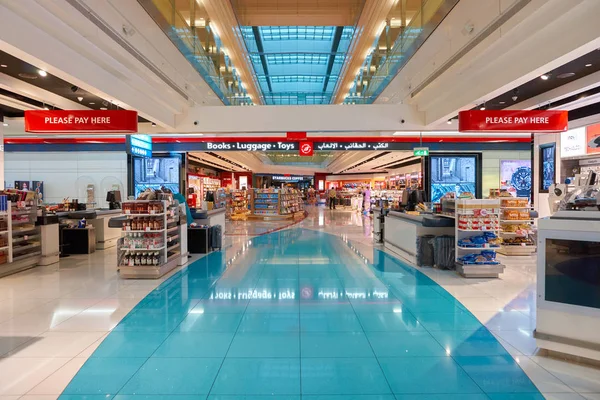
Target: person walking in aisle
{"x":332,"y":196}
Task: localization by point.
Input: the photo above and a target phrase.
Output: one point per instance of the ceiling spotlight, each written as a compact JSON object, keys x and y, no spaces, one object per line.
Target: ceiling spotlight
{"x":91,"y":103}
{"x":449,"y":122}
{"x":41,"y":72}
{"x":4,"y":124}
{"x":545,"y":77}
{"x":482,"y":107}
{"x":153,"y":125}
{"x":46,"y":108}
{"x":587,"y":65}
{"x":80,"y":98}
{"x":3,"y":65}
{"x":103,"y":108}
{"x":501,"y":102}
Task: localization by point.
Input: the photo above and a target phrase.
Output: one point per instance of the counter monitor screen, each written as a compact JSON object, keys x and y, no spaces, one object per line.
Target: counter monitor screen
{"x":573,"y":272}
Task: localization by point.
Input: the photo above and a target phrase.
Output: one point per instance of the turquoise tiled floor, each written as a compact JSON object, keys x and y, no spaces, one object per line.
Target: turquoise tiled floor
{"x":299,"y":314}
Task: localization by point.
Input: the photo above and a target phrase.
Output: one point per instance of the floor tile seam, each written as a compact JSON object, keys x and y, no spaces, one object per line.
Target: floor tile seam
{"x":370,"y":345}
{"x":452,"y":357}
{"x":135,"y":308}
{"x":470,"y":377}
{"x":232,"y":339}
{"x":300,"y":334}
{"x":560,"y":380}
{"x":68,"y":360}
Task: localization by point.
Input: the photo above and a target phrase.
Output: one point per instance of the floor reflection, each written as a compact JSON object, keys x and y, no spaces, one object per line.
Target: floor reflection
{"x":300,"y":312}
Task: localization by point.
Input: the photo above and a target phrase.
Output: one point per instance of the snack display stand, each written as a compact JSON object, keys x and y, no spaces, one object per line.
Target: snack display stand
{"x":277,"y":204}
{"x":150,"y":243}
{"x":477,"y":229}
{"x":516,"y":227}
{"x":237,"y":205}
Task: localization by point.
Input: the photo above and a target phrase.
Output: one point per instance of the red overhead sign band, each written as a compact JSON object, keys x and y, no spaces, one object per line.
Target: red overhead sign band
{"x":73,"y":121}
{"x":513,"y":121}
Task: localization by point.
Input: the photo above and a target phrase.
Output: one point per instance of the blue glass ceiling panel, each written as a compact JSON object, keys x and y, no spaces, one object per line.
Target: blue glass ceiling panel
{"x":297,"y":64}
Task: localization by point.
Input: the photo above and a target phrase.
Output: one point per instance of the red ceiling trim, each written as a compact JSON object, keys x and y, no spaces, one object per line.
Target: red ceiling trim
{"x":183,"y":139}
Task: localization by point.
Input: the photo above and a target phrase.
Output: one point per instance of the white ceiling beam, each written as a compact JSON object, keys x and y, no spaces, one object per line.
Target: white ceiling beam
{"x":588,"y":82}
{"x":317,"y":118}
{"x":22,"y":88}
{"x":524,"y":47}
{"x":32,"y":32}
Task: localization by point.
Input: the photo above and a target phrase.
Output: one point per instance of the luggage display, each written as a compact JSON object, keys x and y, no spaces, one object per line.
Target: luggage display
{"x":216,"y":237}
{"x":425,"y":251}
{"x":444,"y":252}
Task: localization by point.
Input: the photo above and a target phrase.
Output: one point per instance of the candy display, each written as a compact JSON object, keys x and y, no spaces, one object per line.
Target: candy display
{"x":486,"y":257}
{"x":475,"y":252}
{"x":487,"y":240}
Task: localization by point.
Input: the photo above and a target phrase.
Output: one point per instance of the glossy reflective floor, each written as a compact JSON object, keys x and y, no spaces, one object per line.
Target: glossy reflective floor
{"x":295,"y":314}
{"x":300,"y":313}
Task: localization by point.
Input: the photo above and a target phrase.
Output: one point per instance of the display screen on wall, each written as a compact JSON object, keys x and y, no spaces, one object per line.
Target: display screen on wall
{"x":515,"y":177}
{"x":453,"y":173}
{"x":547,"y":166}
{"x":155,"y":173}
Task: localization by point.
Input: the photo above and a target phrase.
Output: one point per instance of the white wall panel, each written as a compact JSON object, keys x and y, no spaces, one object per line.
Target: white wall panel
{"x":61,"y":170}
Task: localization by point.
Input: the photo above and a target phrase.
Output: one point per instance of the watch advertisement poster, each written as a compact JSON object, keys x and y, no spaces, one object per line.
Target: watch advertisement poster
{"x":515,"y":177}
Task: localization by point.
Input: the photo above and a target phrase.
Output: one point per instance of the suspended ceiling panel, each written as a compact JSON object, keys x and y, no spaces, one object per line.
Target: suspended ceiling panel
{"x":298,"y":12}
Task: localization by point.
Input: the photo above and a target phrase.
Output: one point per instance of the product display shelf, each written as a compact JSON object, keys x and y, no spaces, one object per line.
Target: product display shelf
{"x":5,"y":240}
{"x":291,"y":203}
{"x":149,"y":246}
{"x":237,"y":206}
{"x":20,"y":240}
{"x":516,"y":227}
{"x":272,"y":204}
{"x":473,"y":217}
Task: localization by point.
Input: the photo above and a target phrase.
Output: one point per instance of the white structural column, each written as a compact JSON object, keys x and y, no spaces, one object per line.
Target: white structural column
{"x":319,"y":118}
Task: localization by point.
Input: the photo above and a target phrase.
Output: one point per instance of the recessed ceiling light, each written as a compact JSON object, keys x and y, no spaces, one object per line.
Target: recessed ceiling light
{"x":566,"y":75}
{"x":545,"y":77}
{"x":482,"y":108}
{"x":3,"y":65}
{"x":588,"y":65}
{"x":103,"y":108}
{"x":46,"y":108}
{"x":41,"y":72}
{"x":25,"y":75}
{"x":501,"y":102}
{"x":449,"y":122}
{"x":153,"y":125}
{"x":4,"y":124}
{"x":92,"y":103}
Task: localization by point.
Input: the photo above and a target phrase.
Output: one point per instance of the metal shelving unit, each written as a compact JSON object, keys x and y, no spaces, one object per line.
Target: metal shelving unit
{"x":22,"y":238}
{"x":520,"y":205}
{"x":488,"y":209}
{"x":133,"y":261}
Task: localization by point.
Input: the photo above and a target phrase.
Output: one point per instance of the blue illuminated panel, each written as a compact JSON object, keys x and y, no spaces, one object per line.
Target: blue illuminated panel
{"x":139,"y":145}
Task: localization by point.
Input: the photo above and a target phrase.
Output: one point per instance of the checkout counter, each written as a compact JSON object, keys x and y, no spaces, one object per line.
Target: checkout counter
{"x":98,"y":234}
{"x":402,"y":231}
{"x":568,"y":274}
